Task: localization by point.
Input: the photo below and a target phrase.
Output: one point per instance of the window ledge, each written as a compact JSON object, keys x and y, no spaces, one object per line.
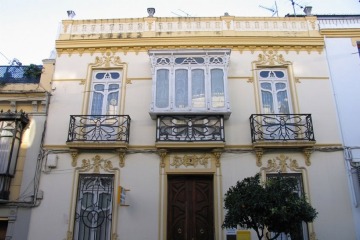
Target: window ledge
{"x":97,"y":145}
{"x":284,"y":144}
{"x":197,"y":145}
{"x":155,"y":114}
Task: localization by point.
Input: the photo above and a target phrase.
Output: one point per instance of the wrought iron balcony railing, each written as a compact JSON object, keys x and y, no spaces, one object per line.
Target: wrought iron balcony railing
{"x":20,"y":74}
{"x":190,"y":128}
{"x":99,"y":128}
{"x":281,"y":127}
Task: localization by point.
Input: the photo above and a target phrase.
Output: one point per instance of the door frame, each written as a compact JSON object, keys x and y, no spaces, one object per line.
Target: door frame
{"x":208,"y":164}
{"x":194,"y":178}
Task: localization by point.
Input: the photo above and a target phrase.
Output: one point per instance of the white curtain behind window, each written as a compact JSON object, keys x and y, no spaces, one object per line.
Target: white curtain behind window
{"x":162,"y":88}
{"x":217,"y":88}
{"x":181,"y":88}
{"x":198,"y":88}
{"x":97,"y":100}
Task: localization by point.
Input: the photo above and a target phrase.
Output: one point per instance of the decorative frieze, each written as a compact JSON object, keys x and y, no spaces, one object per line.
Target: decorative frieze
{"x":194,"y":161}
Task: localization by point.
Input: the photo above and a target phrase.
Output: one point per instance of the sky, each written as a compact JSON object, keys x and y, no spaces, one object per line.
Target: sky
{"x":29,"y":28}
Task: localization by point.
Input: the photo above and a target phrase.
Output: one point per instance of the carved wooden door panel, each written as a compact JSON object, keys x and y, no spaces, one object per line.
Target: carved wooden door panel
{"x":190,"y":208}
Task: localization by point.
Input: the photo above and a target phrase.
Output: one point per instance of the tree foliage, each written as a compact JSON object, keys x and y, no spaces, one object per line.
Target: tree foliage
{"x":275,"y":205}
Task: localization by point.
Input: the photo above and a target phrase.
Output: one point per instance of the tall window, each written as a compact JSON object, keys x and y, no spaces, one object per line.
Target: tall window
{"x":11,"y":127}
{"x":301,"y":232}
{"x":275,"y":97}
{"x":190,"y":81}
{"x":105,"y":92}
{"x":93,"y":214}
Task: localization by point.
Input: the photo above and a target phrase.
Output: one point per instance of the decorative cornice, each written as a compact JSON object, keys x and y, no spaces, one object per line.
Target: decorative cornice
{"x":340,"y":32}
{"x":239,"y":43}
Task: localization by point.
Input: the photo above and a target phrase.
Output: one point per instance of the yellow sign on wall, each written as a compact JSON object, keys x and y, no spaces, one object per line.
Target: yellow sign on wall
{"x":243,"y":235}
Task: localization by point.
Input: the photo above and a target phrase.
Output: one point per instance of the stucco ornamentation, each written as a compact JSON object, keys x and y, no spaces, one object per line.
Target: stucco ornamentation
{"x":271,"y":58}
{"x":307,"y":153}
{"x":107,"y":59}
{"x":98,"y":163}
{"x":190,"y":160}
{"x":281,"y":164}
{"x":74,"y":156}
{"x":217,"y":155}
{"x":259,"y":153}
{"x":162,"y":153}
{"x":122,"y":158}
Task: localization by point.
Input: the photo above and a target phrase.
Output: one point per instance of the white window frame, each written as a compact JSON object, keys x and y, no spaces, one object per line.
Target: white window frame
{"x":106,"y":82}
{"x":168,"y":60}
{"x":273,"y":81}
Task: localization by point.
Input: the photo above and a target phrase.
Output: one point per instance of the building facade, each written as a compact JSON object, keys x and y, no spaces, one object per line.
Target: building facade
{"x":153,"y":119}
{"x":24,"y":100}
{"x":342,"y":40}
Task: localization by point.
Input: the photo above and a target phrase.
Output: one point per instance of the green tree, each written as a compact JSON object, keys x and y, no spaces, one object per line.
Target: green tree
{"x":275,"y":206}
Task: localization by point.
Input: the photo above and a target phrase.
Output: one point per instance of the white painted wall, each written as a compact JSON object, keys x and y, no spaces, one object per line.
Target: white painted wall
{"x":344,"y":65}
{"x":141,"y":174}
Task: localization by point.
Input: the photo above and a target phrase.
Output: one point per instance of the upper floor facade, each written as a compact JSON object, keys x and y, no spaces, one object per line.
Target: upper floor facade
{"x":207,"y":82}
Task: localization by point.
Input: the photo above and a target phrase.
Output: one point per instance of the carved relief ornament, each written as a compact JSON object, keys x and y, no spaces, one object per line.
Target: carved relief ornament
{"x":190,"y":161}
{"x":271,"y":58}
{"x":107,"y":59}
{"x":282,"y":164}
{"x":98,"y":163}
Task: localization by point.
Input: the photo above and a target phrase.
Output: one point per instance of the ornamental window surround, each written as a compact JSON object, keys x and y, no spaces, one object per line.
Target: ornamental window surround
{"x":190,"y":82}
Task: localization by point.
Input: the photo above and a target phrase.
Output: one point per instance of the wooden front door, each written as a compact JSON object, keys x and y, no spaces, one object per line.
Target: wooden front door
{"x":190,"y":208}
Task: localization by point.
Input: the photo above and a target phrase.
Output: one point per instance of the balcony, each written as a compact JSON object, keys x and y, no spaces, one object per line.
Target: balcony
{"x":198,"y":131}
{"x":99,"y":131}
{"x":20,"y":74}
{"x":282,"y":130}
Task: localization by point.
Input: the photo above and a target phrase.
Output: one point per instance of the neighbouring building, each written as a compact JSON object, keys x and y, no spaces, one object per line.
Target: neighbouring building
{"x":153,"y":119}
{"x":24,"y":100}
{"x":342,"y":40}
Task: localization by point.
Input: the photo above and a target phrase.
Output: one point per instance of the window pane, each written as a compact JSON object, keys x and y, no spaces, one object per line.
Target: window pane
{"x":282,"y":99}
{"x":6,"y":137}
{"x":112,"y":100}
{"x":97,"y":100}
{"x":198,"y":88}
{"x":181,"y":88}
{"x":162,"y":88}
{"x":267,"y":98}
{"x":217,"y":88}
{"x":14,"y":155}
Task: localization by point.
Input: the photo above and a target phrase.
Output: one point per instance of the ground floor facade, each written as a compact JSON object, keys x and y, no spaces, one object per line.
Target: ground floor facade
{"x":177,"y":194}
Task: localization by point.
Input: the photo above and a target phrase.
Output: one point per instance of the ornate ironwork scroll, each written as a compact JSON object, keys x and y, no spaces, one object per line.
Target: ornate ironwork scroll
{"x":281,"y":127}
{"x":93,"y":214}
{"x":190,"y":128}
{"x":99,"y":128}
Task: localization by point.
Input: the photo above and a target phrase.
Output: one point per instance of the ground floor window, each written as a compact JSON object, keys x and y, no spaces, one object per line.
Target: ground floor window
{"x":302,"y":230}
{"x":94,"y":204}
